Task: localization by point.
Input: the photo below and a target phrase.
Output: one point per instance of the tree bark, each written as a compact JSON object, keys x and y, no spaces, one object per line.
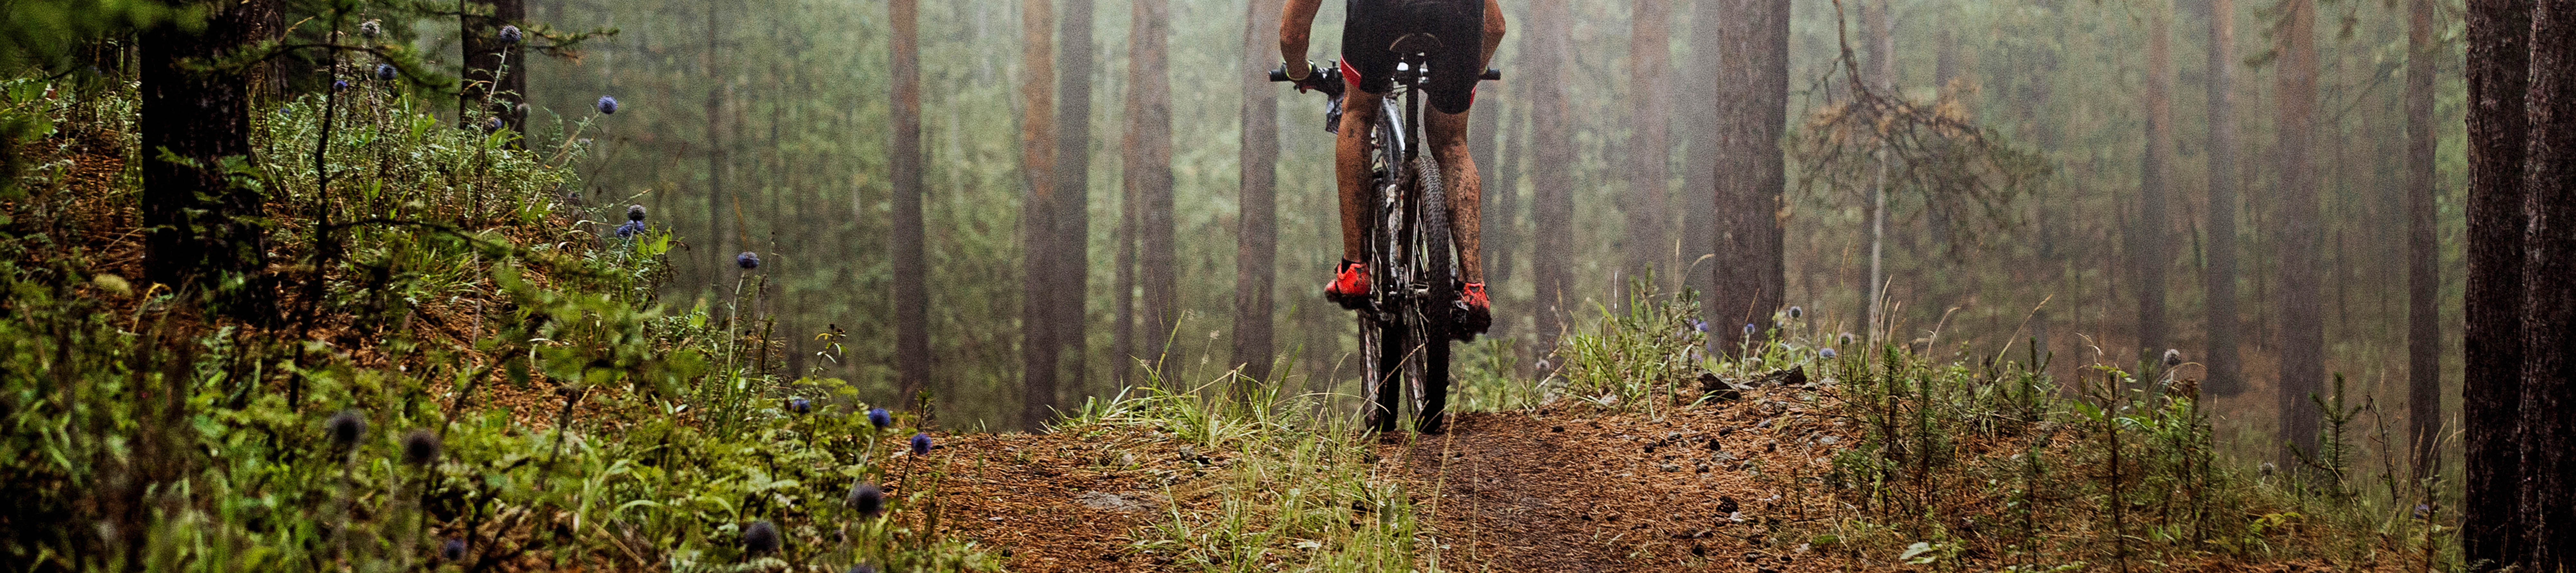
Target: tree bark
{"x":201,"y":224}
{"x":2150,"y":247}
{"x":1649,"y":49}
{"x":1149,"y":174}
{"x":2423,"y":284}
{"x":2219,"y":279}
{"x":718,"y":235}
{"x":2302,"y":368}
{"x":911,"y":260}
{"x":496,"y":72}
{"x":1700,"y":164}
{"x":1256,"y":245}
{"x":1038,"y":222}
{"x":2491,"y":391}
{"x":1551,"y":144}
{"x":1753,"y":108}
{"x":2548,"y":430}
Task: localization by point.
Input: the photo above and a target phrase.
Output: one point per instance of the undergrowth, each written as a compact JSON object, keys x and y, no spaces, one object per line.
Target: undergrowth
{"x":465,"y":370}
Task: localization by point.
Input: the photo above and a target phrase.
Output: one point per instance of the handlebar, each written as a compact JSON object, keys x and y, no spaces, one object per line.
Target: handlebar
{"x":1280,"y":73}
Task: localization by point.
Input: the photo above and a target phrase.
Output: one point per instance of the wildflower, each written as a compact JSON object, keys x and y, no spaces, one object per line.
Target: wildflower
{"x":880,"y":418}
{"x":420,"y":447}
{"x":493,"y":125}
{"x":1795,"y":312}
{"x":747,"y":260}
{"x":630,"y":229}
{"x":867,"y":498}
{"x":607,"y":105}
{"x":510,"y":34}
{"x":1847,"y":338}
{"x":2173,"y":357}
{"x":1748,"y":329}
{"x":371,"y":28}
{"x":760,"y":537}
{"x":1828,"y":353}
{"x":634,"y":212}
{"x":452,"y":551}
{"x":1698,"y":325}
{"x":800,"y":405}
{"x":385,"y":72}
{"x":345,"y":429}
{"x":921,"y":443}
{"x":339,"y":85}
{"x":2423,"y":512}
{"x":863,"y":568}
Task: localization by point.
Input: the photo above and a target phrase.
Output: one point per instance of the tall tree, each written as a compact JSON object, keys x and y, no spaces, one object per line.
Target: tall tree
{"x":1753,"y":110}
{"x":2548,"y":433}
{"x":718,"y":205}
{"x":1879,"y":35}
{"x":195,"y":114}
{"x":1148,"y":168}
{"x":1649,"y":52}
{"x":2220,"y":278}
{"x":1073,"y":186}
{"x":1552,"y":148}
{"x":2498,"y":74}
{"x":2423,"y":284}
{"x":1699,"y":164}
{"x":496,"y":68}
{"x":2302,"y":368}
{"x":1038,"y":222}
{"x":1256,"y":243}
{"x":2150,"y":249}
{"x":911,"y":264}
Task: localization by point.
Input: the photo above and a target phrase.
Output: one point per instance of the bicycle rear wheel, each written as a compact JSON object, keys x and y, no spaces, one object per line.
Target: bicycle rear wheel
{"x":1436,"y":313}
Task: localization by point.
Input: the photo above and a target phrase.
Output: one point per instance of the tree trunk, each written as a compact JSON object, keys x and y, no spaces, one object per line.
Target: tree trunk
{"x":2423,"y":285}
{"x":1149,"y":173}
{"x":201,"y":224}
{"x":2219,"y":279}
{"x":717,"y":206}
{"x":1699,"y":166}
{"x":2548,"y":433}
{"x":1878,"y":33}
{"x":2150,"y":249}
{"x":1551,"y":144}
{"x":496,"y":72}
{"x":2491,"y":390}
{"x":1753,"y":108}
{"x":1038,"y":222}
{"x":2302,"y":368}
{"x":1649,"y":48}
{"x":1073,"y":188}
{"x":911,"y":264}
{"x":1256,"y":243}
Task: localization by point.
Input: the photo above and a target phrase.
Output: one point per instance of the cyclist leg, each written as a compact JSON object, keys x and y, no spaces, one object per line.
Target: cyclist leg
{"x":1445,"y":125}
{"x":1351,"y":169}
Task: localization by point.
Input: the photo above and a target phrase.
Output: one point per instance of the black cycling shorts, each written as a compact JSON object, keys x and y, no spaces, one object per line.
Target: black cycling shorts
{"x":1459,"y":24}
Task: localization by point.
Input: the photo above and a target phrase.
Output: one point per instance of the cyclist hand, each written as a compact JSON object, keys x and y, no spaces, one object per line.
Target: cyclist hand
{"x":1327,"y":79}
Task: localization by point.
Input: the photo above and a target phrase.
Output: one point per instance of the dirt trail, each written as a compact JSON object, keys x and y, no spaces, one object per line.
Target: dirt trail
{"x":1697,"y":490}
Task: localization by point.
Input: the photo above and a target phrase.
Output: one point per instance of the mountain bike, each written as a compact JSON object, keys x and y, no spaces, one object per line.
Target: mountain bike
{"x":1408,"y":320}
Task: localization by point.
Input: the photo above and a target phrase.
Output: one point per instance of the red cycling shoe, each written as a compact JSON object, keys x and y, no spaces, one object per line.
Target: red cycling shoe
{"x":1350,"y":286}
{"x":1475,"y":312}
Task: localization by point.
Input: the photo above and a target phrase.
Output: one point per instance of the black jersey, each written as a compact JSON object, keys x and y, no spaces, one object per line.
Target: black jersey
{"x":1458,"y":24}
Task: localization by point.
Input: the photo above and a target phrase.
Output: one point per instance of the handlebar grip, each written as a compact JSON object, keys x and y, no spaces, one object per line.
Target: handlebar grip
{"x":1489,"y":75}
{"x":1279,"y":74}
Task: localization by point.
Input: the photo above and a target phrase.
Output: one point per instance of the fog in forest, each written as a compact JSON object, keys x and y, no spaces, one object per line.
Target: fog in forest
{"x":2090,"y":177}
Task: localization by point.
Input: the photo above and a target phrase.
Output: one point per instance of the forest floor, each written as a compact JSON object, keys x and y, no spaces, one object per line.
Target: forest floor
{"x":1552,"y":490}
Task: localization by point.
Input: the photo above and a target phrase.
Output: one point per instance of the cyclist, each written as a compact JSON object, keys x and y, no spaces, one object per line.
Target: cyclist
{"x":1468,"y":36}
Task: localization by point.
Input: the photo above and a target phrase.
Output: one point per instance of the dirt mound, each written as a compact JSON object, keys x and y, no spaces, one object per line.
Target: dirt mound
{"x":1555,"y":490}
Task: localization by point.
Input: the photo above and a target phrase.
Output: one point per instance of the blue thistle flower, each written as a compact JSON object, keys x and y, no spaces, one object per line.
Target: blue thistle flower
{"x":1847,"y":339}
{"x":510,"y":34}
{"x":863,"y":568}
{"x":345,"y":429}
{"x":1795,"y":312}
{"x":747,"y":260}
{"x":493,"y":125}
{"x":1698,"y":325}
{"x":760,"y":537}
{"x":630,"y":229}
{"x":800,"y":405}
{"x":420,"y":447}
{"x":339,"y":85}
{"x":607,"y":105}
{"x":921,"y":443}
{"x":880,"y":418}
{"x":1828,"y":354}
{"x":2173,"y":357}
{"x":634,"y":212}
{"x":371,"y":28}
{"x":385,"y":72}
{"x":867,"y":498}
{"x":1748,"y":329}
{"x":452,"y":551}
